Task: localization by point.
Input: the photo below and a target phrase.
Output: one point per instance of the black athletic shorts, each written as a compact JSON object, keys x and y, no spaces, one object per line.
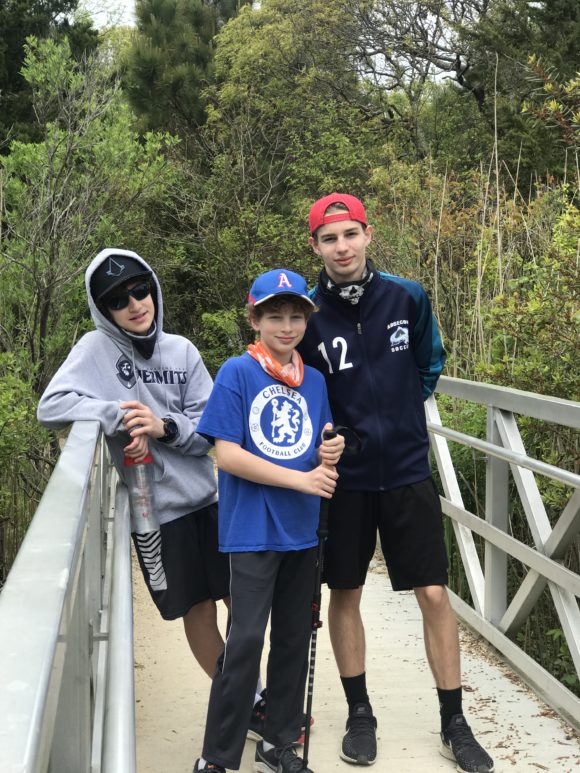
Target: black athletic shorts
{"x":410,"y":524}
{"x":182,"y":565}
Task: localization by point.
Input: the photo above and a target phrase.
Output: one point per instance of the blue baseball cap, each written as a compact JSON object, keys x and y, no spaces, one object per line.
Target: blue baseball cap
{"x":279,"y":281}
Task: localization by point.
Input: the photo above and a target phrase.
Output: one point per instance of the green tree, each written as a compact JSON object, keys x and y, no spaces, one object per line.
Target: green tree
{"x":496,"y":52}
{"x":535,"y":323}
{"x":89,"y":183}
{"x":18,"y":20}
{"x":556,"y":104}
{"x":170,"y":61}
{"x":278,"y":131}
{"x":22,"y":468}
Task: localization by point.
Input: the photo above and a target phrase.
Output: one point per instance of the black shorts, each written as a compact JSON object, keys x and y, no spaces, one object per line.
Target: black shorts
{"x":410,"y":524}
{"x":183,"y":567}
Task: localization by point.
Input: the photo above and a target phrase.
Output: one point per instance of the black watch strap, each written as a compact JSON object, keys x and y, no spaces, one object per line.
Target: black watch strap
{"x":171,"y":430}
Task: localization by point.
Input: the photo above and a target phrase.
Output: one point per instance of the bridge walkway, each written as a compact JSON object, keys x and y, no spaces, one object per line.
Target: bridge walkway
{"x":521,"y":733}
{"x":67,"y":662}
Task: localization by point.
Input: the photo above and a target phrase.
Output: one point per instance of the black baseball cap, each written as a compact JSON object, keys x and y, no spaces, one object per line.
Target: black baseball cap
{"x":115,"y":270}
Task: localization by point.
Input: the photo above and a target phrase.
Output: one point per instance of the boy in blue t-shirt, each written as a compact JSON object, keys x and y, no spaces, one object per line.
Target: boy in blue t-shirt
{"x":266,"y":415}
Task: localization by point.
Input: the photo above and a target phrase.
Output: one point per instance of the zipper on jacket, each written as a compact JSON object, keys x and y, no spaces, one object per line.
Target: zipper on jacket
{"x":359,"y":328}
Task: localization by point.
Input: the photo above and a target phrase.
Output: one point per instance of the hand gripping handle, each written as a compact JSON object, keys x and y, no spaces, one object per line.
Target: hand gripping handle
{"x":322,"y":531}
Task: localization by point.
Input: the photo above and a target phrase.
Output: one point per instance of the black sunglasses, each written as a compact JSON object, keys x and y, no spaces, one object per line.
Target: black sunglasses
{"x":120,"y":301}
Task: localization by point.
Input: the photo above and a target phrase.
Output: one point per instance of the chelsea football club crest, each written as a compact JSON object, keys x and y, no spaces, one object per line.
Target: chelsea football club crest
{"x":280,"y":425}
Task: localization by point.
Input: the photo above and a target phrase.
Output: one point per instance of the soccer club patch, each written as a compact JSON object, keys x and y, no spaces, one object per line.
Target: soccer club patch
{"x":280,"y":425}
{"x":399,"y":338}
{"x":125,"y":372}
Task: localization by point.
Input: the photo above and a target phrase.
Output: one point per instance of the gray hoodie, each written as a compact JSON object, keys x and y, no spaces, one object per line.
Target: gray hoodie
{"x":105,"y":369}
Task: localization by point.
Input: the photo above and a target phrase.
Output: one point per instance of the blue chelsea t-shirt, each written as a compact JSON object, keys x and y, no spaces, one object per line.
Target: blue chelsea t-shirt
{"x":281,"y":424}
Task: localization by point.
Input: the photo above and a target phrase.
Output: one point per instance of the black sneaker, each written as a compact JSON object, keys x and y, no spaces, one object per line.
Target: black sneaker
{"x":280,"y":760}
{"x":359,"y":745}
{"x":258,"y":717}
{"x":458,"y":743}
{"x":209,"y":767}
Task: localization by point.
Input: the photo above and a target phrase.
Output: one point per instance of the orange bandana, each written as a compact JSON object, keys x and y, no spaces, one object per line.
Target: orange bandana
{"x":291,"y":374}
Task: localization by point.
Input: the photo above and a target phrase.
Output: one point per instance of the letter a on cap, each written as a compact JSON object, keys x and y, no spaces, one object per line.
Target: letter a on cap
{"x":283,"y":280}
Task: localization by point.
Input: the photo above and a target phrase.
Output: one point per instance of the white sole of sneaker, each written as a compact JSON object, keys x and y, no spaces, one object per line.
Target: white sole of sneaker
{"x":446,"y":752}
{"x":360,"y":761}
{"x":262,"y":767}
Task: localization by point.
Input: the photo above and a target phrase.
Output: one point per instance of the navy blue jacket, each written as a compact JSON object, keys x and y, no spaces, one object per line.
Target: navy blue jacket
{"x":381,"y":359}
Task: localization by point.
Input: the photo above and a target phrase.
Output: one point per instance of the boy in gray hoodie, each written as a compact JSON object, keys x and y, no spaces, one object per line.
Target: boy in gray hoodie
{"x":148,"y":389}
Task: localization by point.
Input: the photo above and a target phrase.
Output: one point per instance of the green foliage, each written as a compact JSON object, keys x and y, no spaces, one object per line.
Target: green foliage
{"x":536,"y":321}
{"x":556,"y":103}
{"x":21,"y":476}
{"x":86,"y":184}
{"x":498,"y":49}
{"x":562,"y":663}
{"x":549,"y":648}
{"x":16,"y":401}
{"x":170,"y":60}
{"x":18,"y":20}
{"x":223,"y":333}
{"x":454,"y":130}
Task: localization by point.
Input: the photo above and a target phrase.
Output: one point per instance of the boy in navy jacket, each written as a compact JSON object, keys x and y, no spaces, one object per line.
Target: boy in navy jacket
{"x":377,"y":343}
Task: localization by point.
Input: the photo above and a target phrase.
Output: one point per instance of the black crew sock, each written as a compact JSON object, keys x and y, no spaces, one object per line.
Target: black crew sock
{"x":355,"y":689}
{"x":449,"y":705}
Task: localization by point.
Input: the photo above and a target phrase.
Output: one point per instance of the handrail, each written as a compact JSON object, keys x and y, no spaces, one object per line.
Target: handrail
{"x":492,"y":614}
{"x":36,"y":605}
{"x":55,"y":649}
{"x":522,"y":460}
{"x":119,"y":750}
{"x":544,"y":407}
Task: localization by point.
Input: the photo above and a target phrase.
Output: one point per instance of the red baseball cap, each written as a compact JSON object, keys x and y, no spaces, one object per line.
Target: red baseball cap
{"x":317,"y":216}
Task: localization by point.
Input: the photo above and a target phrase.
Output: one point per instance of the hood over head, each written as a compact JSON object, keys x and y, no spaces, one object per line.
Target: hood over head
{"x":110,"y":268}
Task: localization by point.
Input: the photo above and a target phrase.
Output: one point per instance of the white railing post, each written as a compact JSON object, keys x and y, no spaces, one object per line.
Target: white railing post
{"x":452,"y":492}
{"x":496,"y":513}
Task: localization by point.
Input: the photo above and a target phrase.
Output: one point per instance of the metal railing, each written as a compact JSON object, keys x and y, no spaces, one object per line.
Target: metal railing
{"x":66,"y":623}
{"x":491,"y":614}
{"x":66,"y":628}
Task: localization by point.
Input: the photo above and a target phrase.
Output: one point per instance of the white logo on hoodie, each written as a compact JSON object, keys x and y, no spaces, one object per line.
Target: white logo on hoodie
{"x":125,"y":372}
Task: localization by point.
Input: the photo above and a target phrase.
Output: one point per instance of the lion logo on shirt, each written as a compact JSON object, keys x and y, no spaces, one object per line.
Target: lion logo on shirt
{"x":285,"y":423}
{"x":279,"y":423}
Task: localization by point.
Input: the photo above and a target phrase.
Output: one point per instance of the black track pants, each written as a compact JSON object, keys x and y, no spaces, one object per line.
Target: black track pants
{"x":264,"y":582}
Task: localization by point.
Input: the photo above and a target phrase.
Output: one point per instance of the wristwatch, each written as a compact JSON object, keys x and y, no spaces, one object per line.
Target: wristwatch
{"x":171,"y":431}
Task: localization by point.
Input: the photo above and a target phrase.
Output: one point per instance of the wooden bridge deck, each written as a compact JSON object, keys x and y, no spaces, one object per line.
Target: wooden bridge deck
{"x":520,"y":732}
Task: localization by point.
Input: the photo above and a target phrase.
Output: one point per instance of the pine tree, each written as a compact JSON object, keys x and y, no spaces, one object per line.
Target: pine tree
{"x":170,"y":62}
